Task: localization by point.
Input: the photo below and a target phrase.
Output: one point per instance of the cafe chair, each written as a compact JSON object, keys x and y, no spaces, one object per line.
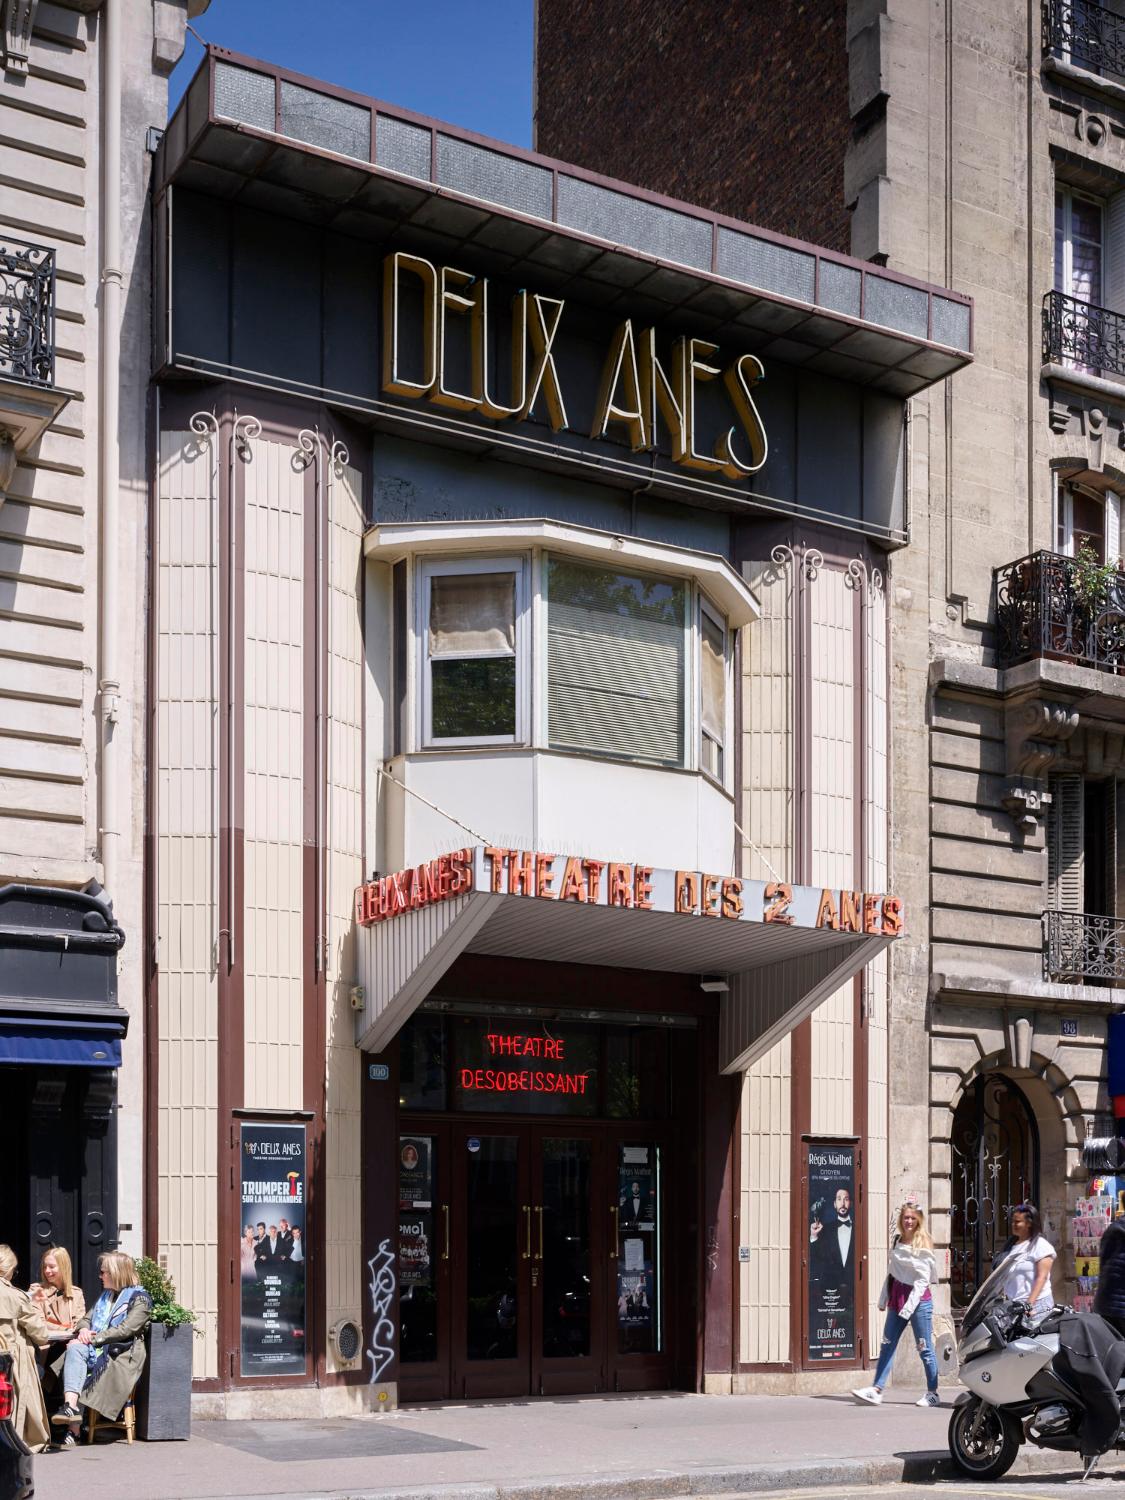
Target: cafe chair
{"x":126,"y":1422}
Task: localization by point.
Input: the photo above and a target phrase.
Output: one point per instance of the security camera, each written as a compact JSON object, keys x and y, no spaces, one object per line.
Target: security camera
{"x":357,"y":995}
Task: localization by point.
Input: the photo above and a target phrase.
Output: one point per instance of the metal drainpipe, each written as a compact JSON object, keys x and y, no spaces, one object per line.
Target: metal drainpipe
{"x":109,"y":685}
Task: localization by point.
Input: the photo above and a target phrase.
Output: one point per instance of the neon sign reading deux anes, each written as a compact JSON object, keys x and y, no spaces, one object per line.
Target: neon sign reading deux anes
{"x":523,"y":1080}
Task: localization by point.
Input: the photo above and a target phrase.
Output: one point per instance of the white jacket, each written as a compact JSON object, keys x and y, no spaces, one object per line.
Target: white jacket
{"x":915,"y":1269}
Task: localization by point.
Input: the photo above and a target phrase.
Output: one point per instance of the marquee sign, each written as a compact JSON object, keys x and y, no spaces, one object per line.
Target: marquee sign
{"x":445,"y":357}
{"x":592,"y":882}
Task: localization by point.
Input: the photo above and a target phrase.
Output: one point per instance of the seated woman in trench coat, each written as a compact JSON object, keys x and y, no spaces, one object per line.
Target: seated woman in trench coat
{"x":22,"y":1329}
{"x":103,"y":1361}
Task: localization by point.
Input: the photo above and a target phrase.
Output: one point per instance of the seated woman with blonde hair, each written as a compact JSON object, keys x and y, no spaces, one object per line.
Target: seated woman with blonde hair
{"x":59,"y":1300}
{"x":23,"y":1328}
{"x":104,"y":1360}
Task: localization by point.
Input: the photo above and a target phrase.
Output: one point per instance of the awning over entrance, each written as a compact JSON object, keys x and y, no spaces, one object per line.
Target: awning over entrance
{"x":778,"y":949}
{"x":54,"y":1042}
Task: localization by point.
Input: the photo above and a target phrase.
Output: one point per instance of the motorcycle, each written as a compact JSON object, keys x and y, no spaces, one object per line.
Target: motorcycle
{"x":1015,"y":1393}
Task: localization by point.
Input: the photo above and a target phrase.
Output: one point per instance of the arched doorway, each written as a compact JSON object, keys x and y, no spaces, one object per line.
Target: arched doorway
{"x":995,"y":1165}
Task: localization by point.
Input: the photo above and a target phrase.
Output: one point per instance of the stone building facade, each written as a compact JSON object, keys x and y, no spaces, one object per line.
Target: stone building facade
{"x":82,"y":85}
{"x":985,"y":150}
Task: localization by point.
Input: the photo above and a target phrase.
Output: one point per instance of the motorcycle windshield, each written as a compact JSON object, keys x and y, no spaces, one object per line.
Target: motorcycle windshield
{"x":989,"y":1293}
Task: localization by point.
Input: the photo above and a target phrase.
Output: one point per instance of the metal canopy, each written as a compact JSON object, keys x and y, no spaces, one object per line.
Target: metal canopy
{"x":280,"y":142}
{"x":777,"y":974}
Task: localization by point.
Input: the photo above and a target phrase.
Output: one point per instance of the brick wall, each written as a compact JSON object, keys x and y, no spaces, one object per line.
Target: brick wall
{"x":740,"y":106}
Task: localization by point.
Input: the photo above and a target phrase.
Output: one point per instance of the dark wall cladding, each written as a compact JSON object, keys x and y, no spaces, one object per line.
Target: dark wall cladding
{"x":299,"y":308}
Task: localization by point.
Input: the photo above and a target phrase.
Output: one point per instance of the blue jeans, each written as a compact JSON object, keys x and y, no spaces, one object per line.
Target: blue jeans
{"x":922,"y":1322}
{"x":74,"y":1366}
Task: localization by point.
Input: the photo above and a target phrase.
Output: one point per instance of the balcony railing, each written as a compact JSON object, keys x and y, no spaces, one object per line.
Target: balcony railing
{"x":1039,"y":612}
{"x":1082,"y":335}
{"x":27,"y":312}
{"x":1085,"y":34}
{"x":1082,"y":949}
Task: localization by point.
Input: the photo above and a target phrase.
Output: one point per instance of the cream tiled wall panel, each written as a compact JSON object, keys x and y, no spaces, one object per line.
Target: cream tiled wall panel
{"x":764,"y":1204}
{"x":48,"y":554}
{"x":830,"y":659}
{"x":876,"y":977}
{"x":274,"y":646}
{"x":186,"y":770}
{"x":343,"y":1272}
{"x":767,"y":809}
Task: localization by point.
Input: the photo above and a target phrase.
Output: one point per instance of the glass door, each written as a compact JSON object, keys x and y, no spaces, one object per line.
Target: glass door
{"x":494,"y":1233}
{"x":568,"y":1292}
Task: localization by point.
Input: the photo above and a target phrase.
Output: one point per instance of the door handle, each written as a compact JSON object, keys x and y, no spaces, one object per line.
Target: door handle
{"x":527,"y":1226}
{"x":613,"y":1246}
{"x":445,"y":1212}
{"x":539,"y":1211}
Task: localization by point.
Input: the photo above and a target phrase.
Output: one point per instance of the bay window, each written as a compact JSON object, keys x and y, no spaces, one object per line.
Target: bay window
{"x":616,"y":662}
{"x":472,"y":689}
{"x":619,"y":648}
{"x":712,"y":690}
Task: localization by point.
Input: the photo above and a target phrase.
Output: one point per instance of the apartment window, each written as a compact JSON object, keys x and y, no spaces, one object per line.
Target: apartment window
{"x":1078,"y":246}
{"x":616,"y":662}
{"x":712,"y":690}
{"x":473,"y":678}
{"x":1088,"y":518}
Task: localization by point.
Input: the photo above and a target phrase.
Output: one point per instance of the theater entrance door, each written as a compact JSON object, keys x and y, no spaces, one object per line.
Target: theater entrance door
{"x":532,"y":1258}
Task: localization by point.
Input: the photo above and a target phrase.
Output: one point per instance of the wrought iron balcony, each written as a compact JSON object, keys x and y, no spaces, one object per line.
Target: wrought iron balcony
{"x":1085,"y":34}
{"x":27,"y":312}
{"x":1042,"y":612}
{"x":1082,"y":335}
{"x":1082,"y":949}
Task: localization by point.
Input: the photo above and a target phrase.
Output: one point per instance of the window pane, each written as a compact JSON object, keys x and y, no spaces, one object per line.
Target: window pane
{"x":615,"y":663}
{"x":473,"y":697}
{"x":472,"y":612}
{"x":712,"y":668}
{"x":421,"y":1063}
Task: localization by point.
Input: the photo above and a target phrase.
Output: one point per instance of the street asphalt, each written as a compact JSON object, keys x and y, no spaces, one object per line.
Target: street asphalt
{"x":655,"y":1447}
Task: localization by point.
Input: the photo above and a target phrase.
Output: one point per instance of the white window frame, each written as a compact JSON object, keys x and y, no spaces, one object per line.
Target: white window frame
{"x":445,"y":567}
{"x":717,"y":618}
{"x":1069,"y":196}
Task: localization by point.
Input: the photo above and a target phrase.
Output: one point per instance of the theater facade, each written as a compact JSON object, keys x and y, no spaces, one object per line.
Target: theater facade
{"x":518,"y":814}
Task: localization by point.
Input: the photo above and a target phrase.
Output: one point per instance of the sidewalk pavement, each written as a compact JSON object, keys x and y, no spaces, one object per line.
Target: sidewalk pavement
{"x":574,"y":1448}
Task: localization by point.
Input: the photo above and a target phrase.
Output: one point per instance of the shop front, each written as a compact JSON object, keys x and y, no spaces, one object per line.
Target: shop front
{"x":61,"y":1034}
{"x":518,"y":686}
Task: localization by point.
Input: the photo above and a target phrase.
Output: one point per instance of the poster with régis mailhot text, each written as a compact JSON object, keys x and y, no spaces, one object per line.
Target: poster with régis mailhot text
{"x":273,"y":1249}
{"x":832,"y":1253}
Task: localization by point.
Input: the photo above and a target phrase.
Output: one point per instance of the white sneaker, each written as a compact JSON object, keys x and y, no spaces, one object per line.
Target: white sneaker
{"x":931,"y":1398}
{"x":869,"y":1394}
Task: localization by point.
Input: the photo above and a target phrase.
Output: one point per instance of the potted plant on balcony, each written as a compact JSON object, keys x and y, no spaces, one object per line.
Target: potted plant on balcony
{"x":1102,"y":622}
{"x":164,"y":1393}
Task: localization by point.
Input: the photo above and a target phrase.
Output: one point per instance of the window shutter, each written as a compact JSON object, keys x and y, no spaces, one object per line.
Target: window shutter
{"x":1113,"y":253}
{"x":1065,"y":869}
{"x":615,"y":664}
{"x":1112,"y":527}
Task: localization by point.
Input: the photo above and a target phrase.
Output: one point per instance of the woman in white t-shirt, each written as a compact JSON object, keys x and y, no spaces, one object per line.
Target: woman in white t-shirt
{"x":1028,"y":1262}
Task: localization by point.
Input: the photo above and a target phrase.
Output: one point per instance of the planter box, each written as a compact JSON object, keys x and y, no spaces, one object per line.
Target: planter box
{"x":164,"y":1393}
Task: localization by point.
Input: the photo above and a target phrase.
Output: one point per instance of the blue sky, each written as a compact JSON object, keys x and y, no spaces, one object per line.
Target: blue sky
{"x":467,"y":63}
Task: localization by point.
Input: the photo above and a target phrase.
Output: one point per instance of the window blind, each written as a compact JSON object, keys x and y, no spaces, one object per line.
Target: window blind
{"x":1065,"y":843}
{"x":615,"y":663}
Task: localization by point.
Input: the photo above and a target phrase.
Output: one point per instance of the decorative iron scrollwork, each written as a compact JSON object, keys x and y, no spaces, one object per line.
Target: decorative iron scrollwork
{"x":1082,"y":335}
{"x":1086,"y":34}
{"x":1039,"y":613}
{"x":1080,"y":948}
{"x":27,"y":312}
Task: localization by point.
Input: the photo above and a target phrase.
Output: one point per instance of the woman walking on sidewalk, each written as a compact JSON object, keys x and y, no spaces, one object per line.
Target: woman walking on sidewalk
{"x":906,"y":1297}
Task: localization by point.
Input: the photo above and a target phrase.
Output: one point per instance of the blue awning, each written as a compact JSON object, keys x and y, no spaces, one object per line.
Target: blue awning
{"x":52,"y":1042}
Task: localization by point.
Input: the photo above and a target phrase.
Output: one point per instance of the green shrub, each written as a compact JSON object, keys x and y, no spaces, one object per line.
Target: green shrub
{"x":162,"y":1289}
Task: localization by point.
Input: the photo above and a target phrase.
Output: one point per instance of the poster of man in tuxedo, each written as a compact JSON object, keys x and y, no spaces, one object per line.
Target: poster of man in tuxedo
{"x":832,"y":1252}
